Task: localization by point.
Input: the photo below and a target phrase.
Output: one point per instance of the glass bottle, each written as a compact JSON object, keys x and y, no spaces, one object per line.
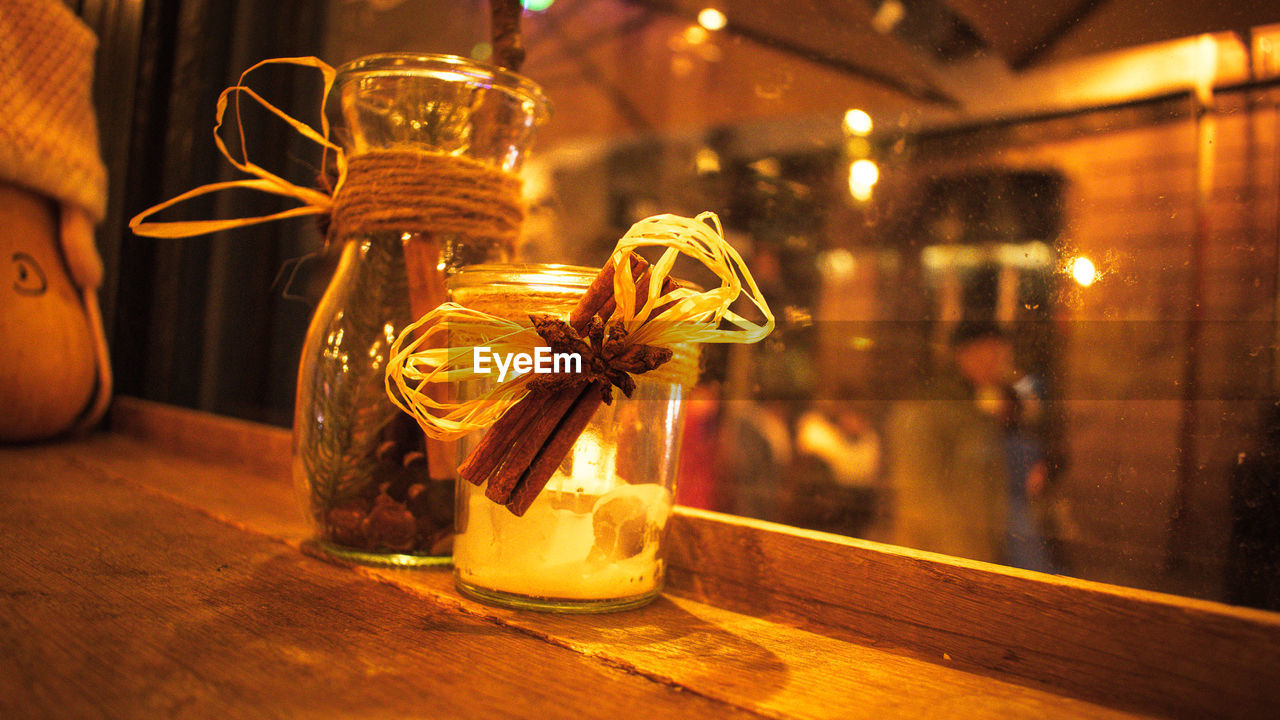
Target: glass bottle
{"x":593,"y":539}
{"x":369,"y":481}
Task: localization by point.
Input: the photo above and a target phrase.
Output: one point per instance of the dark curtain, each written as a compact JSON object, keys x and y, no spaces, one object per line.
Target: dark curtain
{"x":202,"y":322}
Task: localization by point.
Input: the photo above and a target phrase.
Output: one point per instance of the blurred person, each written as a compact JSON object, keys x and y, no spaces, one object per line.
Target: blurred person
{"x":835,"y":477}
{"x":757,"y":453}
{"x":1025,"y":544}
{"x":844,"y":440}
{"x":698,"y":483}
{"x":947,"y":463}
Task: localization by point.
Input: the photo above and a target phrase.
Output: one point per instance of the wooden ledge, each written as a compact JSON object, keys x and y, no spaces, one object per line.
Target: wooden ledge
{"x":758,"y":618}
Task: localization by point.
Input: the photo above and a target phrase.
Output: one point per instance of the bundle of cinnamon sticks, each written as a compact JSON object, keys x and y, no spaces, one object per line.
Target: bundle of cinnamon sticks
{"x":522,"y":450}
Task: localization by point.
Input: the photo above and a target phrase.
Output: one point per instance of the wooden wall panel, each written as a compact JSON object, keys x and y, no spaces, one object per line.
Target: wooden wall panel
{"x":1131,"y":208}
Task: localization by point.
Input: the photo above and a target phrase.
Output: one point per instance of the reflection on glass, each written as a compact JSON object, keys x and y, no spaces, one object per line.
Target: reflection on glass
{"x":1028,"y":314}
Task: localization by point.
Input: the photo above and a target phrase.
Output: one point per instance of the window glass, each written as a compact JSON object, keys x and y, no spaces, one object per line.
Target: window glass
{"x":1023,"y":256}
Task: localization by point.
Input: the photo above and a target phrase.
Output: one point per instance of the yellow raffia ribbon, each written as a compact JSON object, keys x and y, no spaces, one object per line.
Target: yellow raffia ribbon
{"x":701,"y":316}
{"x":314,"y":202}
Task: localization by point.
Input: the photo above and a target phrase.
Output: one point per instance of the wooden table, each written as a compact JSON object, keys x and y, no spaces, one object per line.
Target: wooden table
{"x":158,"y":571}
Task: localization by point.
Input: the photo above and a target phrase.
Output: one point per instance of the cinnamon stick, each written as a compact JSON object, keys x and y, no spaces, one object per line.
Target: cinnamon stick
{"x":426,"y":291}
{"x":598,"y":298}
{"x":488,"y":453}
{"x":642,"y":293}
{"x":497,"y":443}
{"x":504,"y":31}
{"x":522,"y":450}
{"x":524,"y":447}
{"x":566,"y":433}
{"x":554,"y":450}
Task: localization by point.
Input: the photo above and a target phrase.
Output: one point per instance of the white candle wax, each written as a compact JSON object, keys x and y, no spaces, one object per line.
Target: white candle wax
{"x":561,"y":547}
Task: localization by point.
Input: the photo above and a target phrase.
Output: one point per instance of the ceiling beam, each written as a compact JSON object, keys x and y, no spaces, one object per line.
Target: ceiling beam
{"x":1059,"y":30}
{"x":592,"y":73}
{"x":626,"y":27}
{"x":916,"y":91}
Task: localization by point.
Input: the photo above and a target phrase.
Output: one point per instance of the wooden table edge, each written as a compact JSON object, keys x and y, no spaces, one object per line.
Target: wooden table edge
{"x":1134,"y":649}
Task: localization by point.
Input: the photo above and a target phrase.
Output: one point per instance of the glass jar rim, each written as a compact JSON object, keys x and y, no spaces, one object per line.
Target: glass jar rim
{"x":568,"y":276}
{"x":573,"y":276}
{"x":448,"y":67}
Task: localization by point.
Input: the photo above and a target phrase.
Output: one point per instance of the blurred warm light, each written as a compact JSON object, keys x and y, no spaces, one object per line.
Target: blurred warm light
{"x":863,"y":174}
{"x":706,"y":161}
{"x":837,"y":264}
{"x":1083,"y":271}
{"x":536,"y":5}
{"x":481,"y":51}
{"x":797,"y":316}
{"x":888,"y":15}
{"x":857,"y":122}
{"x":857,"y":147}
{"x":695,"y":35}
{"x":1033,"y":255}
{"x":768,"y":167}
{"x":712,"y":19}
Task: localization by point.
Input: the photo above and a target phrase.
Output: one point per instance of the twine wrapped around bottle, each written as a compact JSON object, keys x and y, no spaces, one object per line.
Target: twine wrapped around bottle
{"x":410,"y":191}
{"x":403,"y":190}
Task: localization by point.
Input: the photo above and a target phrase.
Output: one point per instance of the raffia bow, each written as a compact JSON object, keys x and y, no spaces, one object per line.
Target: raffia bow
{"x":314,"y":202}
{"x":660,"y":322}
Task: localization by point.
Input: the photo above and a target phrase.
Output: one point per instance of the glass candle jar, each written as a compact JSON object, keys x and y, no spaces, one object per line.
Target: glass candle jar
{"x":376,"y":491}
{"x":593,"y":539}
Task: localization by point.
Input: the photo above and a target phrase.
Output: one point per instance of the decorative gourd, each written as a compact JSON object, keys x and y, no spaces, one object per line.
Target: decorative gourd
{"x":55,"y":374}
{"x":48,"y":345}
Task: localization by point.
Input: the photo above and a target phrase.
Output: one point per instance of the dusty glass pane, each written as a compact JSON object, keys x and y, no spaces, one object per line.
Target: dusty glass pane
{"x":1023,"y":255}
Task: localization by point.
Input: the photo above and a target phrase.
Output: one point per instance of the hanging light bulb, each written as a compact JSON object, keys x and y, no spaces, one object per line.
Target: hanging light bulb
{"x":712,"y":19}
{"x":863,"y":175}
{"x":1083,"y":271}
{"x":857,"y":122}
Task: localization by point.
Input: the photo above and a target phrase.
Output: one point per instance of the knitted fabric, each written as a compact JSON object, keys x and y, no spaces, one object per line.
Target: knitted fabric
{"x":49,"y":135}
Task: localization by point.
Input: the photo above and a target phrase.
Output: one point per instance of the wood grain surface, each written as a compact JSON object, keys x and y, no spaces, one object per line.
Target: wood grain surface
{"x":808,"y":625}
{"x":119,"y":603}
{"x":1126,"y":648}
{"x":747,"y":663}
